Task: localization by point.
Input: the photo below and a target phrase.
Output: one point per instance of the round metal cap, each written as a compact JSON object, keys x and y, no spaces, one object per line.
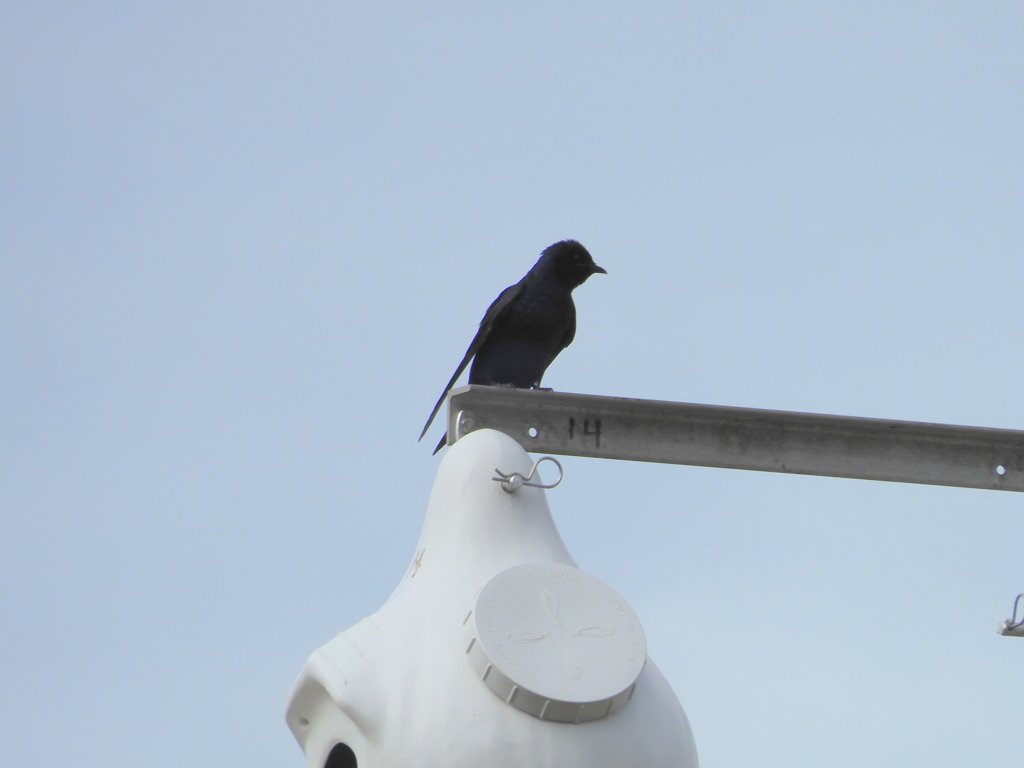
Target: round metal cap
{"x":556,"y":642}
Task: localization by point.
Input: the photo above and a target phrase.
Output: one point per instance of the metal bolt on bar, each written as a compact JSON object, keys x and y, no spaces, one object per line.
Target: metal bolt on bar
{"x":743,"y":438}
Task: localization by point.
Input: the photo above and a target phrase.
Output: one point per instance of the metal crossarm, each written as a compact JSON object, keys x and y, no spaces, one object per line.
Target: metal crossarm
{"x":743,"y":438}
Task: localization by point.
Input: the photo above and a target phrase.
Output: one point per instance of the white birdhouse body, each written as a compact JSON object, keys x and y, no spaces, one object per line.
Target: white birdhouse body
{"x":437,"y":681}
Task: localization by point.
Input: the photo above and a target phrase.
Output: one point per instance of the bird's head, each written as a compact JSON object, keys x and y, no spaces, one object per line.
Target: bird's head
{"x":571,"y":263}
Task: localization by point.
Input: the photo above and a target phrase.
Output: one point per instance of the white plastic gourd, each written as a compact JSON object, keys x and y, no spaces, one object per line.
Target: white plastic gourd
{"x":495,"y":649}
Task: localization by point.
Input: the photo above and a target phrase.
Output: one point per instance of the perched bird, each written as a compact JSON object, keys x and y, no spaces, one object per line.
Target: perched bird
{"x":527,"y":325}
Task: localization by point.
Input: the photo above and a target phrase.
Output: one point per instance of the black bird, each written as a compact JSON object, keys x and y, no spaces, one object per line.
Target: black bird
{"x":527,"y":325}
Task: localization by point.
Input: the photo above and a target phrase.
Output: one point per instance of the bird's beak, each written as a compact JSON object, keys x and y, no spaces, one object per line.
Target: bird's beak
{"x":595,"y":269}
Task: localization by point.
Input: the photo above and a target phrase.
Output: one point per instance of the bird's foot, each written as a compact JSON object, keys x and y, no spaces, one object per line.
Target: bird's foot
{"x":542,"y":389}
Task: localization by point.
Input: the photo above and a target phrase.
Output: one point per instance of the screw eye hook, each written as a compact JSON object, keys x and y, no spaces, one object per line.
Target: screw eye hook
{"x":1013,"y":623}
{"x":512,"y":482}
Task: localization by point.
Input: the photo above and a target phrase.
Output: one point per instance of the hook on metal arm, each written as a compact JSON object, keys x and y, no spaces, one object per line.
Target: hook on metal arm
{"x":1014,"y":626}
{"x":512,"y":482}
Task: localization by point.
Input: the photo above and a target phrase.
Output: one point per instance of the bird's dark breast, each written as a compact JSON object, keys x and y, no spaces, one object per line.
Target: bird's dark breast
{"x":519,"y":350}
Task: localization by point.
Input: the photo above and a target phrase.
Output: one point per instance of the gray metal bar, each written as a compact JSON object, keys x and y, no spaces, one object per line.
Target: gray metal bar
{"x":743,"y":438}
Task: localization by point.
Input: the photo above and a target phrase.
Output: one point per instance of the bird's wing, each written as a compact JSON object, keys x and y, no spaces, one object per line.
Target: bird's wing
{"x":497,"y":308}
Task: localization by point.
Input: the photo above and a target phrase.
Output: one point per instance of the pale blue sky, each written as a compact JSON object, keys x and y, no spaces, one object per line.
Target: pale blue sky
{"x":244,"y":245}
